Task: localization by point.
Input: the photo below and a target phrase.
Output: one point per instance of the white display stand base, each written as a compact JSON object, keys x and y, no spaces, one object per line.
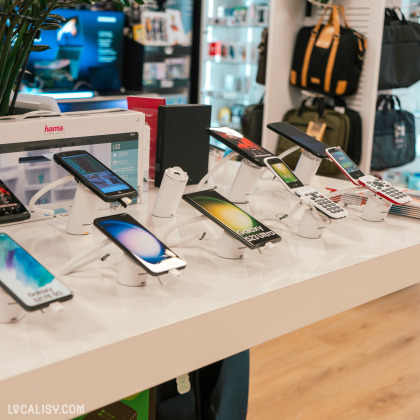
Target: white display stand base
{"x":244,"y":183}
{"x":310,"y":226}
{"x":307,"y":167}
{"x":230,"y":248}
{"x":83,"y":211}
{"x":376,"y":209}
{"x":131,"y":274}
{"x":10,"y":310}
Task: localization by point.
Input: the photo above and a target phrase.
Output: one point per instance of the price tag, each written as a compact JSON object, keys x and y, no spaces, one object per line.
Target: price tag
{"x":399,"y":134}
{"x":316,"y":129}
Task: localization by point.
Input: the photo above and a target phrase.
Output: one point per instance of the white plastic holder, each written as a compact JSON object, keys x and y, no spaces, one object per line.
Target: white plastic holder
{"x":10,"y":310}
{"x":244,"y":182}
{"x":376,"y":209}
{"x":131,"y":274}
{"x":311,"y":226}
{"x":230,"y":248}
{"x":83,"y":211}
{"x":307,"y":167}
{"x":170,"y":192}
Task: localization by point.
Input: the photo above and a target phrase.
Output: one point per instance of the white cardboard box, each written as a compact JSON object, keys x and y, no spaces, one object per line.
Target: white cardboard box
{"x":107,"y":134}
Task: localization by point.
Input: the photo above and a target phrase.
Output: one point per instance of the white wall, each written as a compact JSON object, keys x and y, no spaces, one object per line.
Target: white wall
{"x":287,"y":16}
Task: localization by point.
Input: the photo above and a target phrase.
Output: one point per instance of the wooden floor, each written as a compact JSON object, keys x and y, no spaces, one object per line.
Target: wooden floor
{"x":363,"y":364}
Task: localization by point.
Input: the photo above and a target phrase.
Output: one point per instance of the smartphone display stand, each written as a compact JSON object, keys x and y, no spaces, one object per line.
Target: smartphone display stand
{"x":244,"y":182}
{"x":10,"y":310}
{"x":83,"y":211}
{"x":307,"y":167}
{"x":230,"y":248}
{"x":310,"y":225}
{"x":376,"y":209}
{"x":131,"y":274}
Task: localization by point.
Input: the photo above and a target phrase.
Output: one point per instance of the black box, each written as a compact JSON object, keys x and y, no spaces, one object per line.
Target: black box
{"x":182,"y":140}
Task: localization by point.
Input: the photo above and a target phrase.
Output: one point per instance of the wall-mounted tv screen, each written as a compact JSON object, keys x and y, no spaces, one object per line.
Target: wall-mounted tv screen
{"x":85,"y":54}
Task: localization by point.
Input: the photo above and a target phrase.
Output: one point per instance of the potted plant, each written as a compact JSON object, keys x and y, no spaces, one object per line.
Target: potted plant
{"x":20,"y":23}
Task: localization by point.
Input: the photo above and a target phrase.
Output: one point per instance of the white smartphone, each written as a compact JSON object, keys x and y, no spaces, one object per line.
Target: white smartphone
{"x":292,"y":183}
{"x":25,"y":279}
{"x":355,"y":174}
{"x":345,"y":164}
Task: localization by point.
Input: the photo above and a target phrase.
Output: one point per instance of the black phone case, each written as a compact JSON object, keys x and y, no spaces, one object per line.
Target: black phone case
{"x":300,"y":138}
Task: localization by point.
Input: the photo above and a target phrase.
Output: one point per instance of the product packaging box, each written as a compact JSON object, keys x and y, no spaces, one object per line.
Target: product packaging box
{"x":117,"y":137}
{"x":182,"y":140}
{"x":149,"y":107}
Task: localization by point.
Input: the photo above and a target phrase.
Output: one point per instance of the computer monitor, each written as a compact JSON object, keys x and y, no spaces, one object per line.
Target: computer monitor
{"x":85,"y":54}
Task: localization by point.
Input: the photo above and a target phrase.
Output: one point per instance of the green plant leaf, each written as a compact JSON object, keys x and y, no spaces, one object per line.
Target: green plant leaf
{"x":40,"y":48}
{"x":56,"y":17}
{"x":50,"y":26}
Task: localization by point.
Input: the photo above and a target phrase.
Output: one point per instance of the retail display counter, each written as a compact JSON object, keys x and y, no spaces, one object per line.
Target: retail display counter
{"x":112,"y":341}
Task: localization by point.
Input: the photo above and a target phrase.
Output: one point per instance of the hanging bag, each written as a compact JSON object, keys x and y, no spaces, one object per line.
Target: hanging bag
{"x":400,"y":57}
{"x":328,"y":58}
{"x":336,"y":133}
{"x":394,"y":141}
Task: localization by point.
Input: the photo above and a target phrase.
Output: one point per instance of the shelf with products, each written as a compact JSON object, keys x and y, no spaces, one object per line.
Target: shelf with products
{"x":236,"y":25}
{"x":223,"y":61}
{"x":231,"y":34}
{"x":166,"y":83}
{"x":228,"y":96}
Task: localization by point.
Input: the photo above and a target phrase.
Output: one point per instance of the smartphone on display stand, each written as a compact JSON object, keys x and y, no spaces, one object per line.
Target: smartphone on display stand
{"x":25,"y":279}
{"x":240,"y":144}
{"x":88,"y":170}
{"x":372,"y":183}
{"x":300,"y":138}
{"x":292,"y":183}
{"x":231,"y":218}
{"x":139,"y":244}
{"x":345,"y":164}
{"x":11,"y":209}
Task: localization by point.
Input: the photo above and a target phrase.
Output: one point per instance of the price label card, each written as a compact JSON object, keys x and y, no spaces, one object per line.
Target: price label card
{"x":399,"y":134}
{"x":316,"y":129}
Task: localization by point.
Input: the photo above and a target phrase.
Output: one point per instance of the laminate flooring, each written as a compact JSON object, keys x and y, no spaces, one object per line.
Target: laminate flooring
{"x":362,"y":364}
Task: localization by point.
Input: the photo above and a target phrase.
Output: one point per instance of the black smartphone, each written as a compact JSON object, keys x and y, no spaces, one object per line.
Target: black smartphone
{"x":240,"y":144}
{"x":25,"y":279}
{"x":139,"y":244}
{"x":300,"y":138}
{"x":11,"y":209}
{"x":106,"y":184}
{"x":233,"y":219}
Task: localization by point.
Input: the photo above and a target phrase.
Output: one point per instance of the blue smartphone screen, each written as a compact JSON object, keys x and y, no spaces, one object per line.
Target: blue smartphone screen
{"x":96,"y":173}
{"x":25,"y":277}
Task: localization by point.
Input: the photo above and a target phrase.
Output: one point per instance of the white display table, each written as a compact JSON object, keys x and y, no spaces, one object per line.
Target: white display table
{"x":112,"y":341}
